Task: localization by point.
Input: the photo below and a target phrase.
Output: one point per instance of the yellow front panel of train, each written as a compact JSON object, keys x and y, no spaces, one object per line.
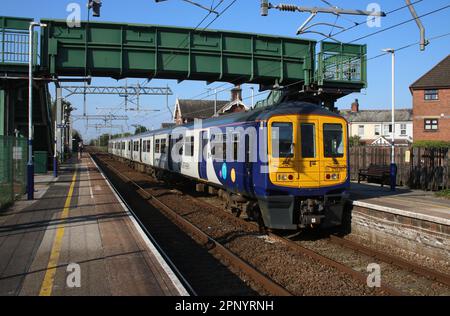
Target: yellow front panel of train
{"x":307,"y":151}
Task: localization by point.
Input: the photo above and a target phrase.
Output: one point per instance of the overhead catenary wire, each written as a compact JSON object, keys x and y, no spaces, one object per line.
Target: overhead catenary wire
{"x":375,"y":57}
{"x":353,"y":41}
{"x":320,"y":41}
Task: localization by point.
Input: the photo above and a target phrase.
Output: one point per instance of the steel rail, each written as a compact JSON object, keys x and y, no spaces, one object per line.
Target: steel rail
{"x":165,"y":256}
{"x":210,"y":243}
{"x":358,"y":276}
{"x":402,"y":263}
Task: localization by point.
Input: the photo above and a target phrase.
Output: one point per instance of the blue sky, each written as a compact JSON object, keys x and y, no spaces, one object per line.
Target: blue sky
{"x":244,"y":16}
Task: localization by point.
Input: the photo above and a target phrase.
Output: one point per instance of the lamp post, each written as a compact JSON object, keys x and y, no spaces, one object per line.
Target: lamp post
{"x":30,"y":165}
{"x":393,"y":169}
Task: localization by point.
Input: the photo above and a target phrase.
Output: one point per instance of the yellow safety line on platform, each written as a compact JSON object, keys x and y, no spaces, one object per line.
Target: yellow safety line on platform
{"x":47,"y":283}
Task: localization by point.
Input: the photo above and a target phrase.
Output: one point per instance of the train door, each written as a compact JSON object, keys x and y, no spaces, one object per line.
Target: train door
{"x":308,"y":153}
{"x":248,"y":164}
{"x":334,"y":151}
{"x":204,"y":152}
{"x":283,"y":152}
{"x":175,"y":162}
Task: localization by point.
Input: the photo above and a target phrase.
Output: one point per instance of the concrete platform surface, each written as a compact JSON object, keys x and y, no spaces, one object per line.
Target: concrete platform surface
{"x":411,"y":203}
{"x":77,"y":238}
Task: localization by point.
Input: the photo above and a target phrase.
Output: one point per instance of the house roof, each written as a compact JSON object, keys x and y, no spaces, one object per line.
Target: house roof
{"x":201,"y":109}
{"x":385,"y":141}
{"x":401,"y":115}
{"x":437,"y":77}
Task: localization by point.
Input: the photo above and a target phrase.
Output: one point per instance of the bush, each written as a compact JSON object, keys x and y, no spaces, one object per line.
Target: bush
{"x":432,"y":144}
{"x":444,"y":194}
{"x":355,"y":141}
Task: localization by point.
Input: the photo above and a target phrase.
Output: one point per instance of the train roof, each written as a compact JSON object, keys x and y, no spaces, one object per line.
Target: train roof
{"x":260,"y":114}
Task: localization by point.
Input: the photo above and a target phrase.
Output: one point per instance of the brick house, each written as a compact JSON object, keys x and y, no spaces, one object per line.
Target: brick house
{"x":431,"y":104}
{"x":186,"y":111}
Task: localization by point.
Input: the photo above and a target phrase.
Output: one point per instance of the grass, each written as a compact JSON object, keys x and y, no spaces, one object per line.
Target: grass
{"x":444,"y":194}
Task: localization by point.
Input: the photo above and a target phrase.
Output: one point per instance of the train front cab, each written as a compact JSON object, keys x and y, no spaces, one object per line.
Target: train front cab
{"x":308,"y":172}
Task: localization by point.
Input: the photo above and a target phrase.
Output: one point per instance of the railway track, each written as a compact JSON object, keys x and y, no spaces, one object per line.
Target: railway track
{"x":385,"y":257}
{"x":214,"y":247}
{"x":275,"y":287}
{"x":269,"y":285}
{"x":414,"y":268}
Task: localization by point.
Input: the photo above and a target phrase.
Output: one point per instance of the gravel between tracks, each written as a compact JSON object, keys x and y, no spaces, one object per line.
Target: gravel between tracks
{"x":299,"y":274}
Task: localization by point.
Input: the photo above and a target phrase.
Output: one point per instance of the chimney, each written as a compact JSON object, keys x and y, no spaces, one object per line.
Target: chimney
{"x":236,"y":94}
{"x":355,"y":106}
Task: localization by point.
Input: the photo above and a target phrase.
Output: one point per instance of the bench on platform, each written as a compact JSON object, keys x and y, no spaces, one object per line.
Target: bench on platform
{"x":375,"y":172}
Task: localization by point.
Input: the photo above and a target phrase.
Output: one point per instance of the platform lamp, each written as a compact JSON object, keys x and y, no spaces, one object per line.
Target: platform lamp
{"x":95,"y":5}
{"x":30,"y":164}
{"x":393,"y":169}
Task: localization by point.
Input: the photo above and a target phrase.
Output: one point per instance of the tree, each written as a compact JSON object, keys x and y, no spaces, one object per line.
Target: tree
{"x":355,"y":141}
{"x":140,"y":129}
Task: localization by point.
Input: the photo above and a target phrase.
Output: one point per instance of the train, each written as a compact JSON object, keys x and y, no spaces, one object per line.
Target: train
{"x":284,"y":166}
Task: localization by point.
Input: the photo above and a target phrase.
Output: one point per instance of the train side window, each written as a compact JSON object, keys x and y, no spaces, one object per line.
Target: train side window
{"x":163,"y":146}
{"x":189,"y":146}
{"x":217,"y":146}
{"x":224,"y":148}
{"x":235,"y":146}
{"x":149,"y":146}
{"x":282,"y":140}
{"x":157,"y":146}
{"x":308,"y":137}
{"x":333,"y":141}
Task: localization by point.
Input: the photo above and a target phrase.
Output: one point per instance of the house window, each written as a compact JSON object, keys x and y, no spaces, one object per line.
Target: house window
{"x":387,"y":129}
{"x":377,"y":130}
{"x":431,"y":124}
{"x":431,"y":95}
{"x":361,"y":130}
{"x":403,"y":129}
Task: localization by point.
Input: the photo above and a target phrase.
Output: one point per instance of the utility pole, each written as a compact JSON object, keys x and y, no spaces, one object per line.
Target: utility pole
{"x":215,"y":103}
{"x":393,"y":170}
{"x":30,"y":165}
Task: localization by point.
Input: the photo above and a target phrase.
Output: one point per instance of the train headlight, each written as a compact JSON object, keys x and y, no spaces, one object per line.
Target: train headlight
{"x":333,"y":176}
{"x":283,"y":177}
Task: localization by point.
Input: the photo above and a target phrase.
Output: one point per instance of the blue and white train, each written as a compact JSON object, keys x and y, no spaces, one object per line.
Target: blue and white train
{"x":285,"y":166}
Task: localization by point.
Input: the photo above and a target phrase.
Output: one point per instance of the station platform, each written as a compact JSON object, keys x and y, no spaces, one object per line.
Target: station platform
{"x":420,"y":205}
{"x":78,"y":239}
{"x":414,"y":221}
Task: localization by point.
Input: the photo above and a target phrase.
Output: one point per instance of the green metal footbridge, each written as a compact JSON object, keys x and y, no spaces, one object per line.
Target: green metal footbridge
{"x":119,"y":50}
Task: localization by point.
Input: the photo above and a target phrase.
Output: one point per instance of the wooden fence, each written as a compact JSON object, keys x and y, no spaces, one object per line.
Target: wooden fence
{"x":418,"y":168}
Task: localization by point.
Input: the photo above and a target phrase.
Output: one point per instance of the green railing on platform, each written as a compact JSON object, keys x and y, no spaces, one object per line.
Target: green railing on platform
{"x":340,"y":63}
{"x":13,"y":168}
{"x":14,"y":41}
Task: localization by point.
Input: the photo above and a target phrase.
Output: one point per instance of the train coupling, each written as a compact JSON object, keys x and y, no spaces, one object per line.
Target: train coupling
{"x":311,"y":213}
